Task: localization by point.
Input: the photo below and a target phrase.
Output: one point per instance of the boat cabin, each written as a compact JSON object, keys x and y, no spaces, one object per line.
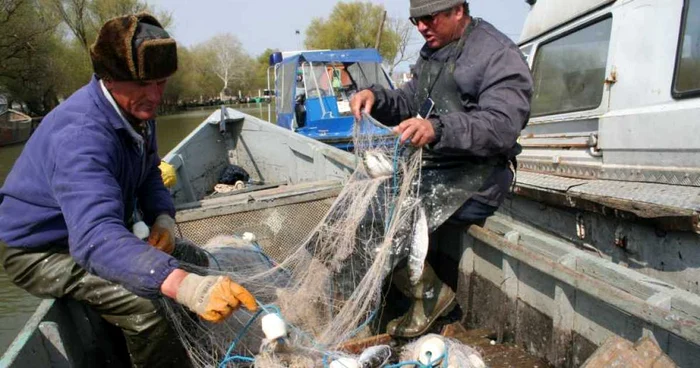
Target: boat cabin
{"x":600,"y":236}
{"x":617,"y":90}
{"x":313,"y":90}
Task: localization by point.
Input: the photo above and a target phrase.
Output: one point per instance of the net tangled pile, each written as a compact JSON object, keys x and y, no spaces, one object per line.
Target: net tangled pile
{"x":328,"y":290}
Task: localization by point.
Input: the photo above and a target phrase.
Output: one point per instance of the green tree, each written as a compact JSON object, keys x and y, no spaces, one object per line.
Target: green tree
{"x":192,"y":83}
{"x":22,"y":29}
{"x":27,"y":43}
{"x":261,"y":70}
{"x":352,"y":25}
{"x":44,"y":43}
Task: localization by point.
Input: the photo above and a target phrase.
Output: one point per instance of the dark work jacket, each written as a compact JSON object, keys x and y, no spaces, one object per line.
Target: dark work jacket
{"x":494,"y":85}
{"x":75,"y":183}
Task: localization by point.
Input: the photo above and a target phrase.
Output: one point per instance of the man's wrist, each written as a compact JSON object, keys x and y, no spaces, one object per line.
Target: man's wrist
{"x":437,"y":128}
{"x":377,"y":90}
{"x":172,"y":283}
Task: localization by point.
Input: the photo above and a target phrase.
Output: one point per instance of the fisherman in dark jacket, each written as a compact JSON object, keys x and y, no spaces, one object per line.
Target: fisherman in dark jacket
{"x":480,"y":86}
{"x":67,"y":205}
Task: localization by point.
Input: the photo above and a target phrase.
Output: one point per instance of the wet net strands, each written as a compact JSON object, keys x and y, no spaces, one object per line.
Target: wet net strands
{"x":328,"y":289}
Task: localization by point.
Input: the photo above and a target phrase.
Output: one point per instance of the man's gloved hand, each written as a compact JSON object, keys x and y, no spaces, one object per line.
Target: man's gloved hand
{"x":163,"y":234}
{"x":168,"y":174}
{"x":213,"y":298}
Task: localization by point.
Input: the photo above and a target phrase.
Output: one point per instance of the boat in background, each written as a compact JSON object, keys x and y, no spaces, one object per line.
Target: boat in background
{"x":15,"y":127}
{"x":313,"y":90}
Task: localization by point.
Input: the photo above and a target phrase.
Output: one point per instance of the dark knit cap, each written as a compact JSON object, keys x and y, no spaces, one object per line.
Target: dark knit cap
{"x":134,"y":48}
{"x":421,"y":8}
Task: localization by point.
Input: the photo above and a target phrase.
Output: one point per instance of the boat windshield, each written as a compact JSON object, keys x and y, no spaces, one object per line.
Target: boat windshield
{"x":298,"y":80}
{"x":317,"y":81}
{"x":339,"y":80}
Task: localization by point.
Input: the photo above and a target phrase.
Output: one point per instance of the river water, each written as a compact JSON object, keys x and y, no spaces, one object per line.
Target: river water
{"x":16,"y":305}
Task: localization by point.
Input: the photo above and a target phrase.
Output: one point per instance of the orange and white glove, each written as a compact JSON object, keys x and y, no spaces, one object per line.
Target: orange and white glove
{"x":162,"y":234}
{"x":214,"y":298}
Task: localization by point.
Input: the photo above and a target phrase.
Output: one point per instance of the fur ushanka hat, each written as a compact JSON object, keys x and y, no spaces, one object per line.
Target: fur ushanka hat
{"x":133,"y":48}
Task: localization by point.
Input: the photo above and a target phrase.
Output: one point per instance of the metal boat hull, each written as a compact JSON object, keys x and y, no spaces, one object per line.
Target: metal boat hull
{"x":527,"y":275}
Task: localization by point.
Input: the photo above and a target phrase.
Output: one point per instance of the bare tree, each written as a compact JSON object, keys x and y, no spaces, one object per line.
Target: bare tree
{"x":404,"y":30}
{"x":8,"y":9}
{"x":85,"y":17}
{"x":104,"y":10}
{"x":74,"y":13}
{"x":227,"y":59}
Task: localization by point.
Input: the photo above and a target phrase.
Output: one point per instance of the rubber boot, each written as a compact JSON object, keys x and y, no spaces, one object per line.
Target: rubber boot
{"x":431,"y":299}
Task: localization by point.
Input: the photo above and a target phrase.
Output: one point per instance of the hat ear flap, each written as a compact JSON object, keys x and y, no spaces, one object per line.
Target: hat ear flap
{"x":111,"y":54}
{"x":128,"y":50}
{"x":157,"y":59}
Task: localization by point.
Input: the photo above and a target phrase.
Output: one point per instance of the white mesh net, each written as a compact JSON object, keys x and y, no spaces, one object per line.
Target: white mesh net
{"x":328,"y":289}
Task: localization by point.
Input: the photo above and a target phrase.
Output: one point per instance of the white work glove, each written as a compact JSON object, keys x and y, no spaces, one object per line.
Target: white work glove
{"x":162,"y":234}
{"x":213,"y":298}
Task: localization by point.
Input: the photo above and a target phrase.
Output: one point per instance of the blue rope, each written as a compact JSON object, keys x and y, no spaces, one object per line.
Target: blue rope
{"x":365,"y":323}
{"x":212,"y":257}
{"x":395,"y":187}
{"x":236,"y":358}
{"x":227,"y":357}
{"x":271,"y":308}
{"x":395,"y":182}
{"x":274,"y":309}
{"x":262,"y":254}
{"x":258,"y":249}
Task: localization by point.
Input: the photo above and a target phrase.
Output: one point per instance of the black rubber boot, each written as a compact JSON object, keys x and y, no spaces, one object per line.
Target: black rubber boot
{"x":431,"y":299}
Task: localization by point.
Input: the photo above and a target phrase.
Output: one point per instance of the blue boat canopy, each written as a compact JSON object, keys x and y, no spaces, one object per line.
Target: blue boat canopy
{"x":313,"y":90}
{"x":338,"y":56}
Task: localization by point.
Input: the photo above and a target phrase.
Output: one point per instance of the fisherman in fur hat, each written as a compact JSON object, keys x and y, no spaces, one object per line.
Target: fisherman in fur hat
{"x":68,"y":204}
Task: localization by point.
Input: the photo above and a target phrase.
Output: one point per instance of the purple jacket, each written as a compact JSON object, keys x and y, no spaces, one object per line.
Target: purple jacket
{"x":76,"y":182}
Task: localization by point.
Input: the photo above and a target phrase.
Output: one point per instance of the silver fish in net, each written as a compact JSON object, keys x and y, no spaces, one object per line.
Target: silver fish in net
{"x":419,"y":247}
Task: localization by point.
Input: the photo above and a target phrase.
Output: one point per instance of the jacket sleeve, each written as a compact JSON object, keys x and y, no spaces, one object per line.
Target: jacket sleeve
{"x":492,"y":126}
{"x":154,"y":198}
{"x":391,"y":107}
{"x":90,"y":198}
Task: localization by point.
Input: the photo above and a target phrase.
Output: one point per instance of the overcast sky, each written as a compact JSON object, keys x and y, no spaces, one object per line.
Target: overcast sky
{"x":261,"y":24}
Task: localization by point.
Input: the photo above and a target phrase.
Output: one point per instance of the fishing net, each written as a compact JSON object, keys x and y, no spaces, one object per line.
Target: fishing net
{"x":328,"y":290}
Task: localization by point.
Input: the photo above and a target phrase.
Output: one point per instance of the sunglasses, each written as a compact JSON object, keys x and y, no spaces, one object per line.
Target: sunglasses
{"x":428,"y":19}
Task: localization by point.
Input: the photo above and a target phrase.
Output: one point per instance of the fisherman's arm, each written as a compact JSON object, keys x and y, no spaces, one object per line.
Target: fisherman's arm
{"x":389,"y":107}
{"x":503,"y":107}
{"x":90,"y":198}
